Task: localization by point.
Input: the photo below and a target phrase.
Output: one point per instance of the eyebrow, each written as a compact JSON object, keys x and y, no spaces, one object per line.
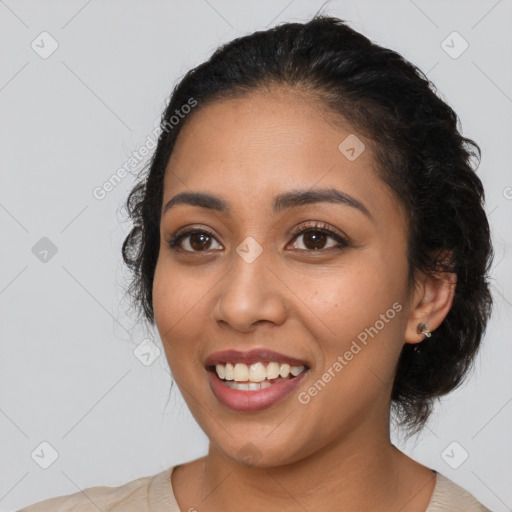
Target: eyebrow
{"x":281,"y":202}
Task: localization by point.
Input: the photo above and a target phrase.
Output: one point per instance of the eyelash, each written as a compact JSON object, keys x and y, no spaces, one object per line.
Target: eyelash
{"x":320,"y":227}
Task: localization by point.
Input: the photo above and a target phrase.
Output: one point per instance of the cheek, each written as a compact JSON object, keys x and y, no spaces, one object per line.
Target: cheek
{"x":178,"y":293}
{"x":354,"y":297}
{"x":363,"y":307}
{"x":177,"y":302}
{"x":357,"y":357}
{"x":166,"y":284}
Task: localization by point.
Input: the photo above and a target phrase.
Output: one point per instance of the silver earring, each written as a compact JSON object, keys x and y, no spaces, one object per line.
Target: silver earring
{"x":422,"y":329}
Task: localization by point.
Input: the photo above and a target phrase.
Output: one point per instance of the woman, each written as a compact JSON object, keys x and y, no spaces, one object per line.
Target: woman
{"x":311,"y":244}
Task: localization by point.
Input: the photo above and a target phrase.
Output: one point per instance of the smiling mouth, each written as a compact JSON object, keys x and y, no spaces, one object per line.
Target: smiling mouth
{"x":256,"y":376}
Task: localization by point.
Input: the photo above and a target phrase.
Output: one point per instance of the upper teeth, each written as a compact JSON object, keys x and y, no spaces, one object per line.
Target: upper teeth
{"x":256,"y":372}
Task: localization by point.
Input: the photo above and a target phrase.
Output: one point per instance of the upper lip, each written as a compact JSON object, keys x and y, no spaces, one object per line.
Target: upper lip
{"x":251,"y":356}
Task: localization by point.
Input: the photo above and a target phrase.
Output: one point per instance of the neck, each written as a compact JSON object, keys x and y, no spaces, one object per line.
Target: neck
{"x":363,"y":472}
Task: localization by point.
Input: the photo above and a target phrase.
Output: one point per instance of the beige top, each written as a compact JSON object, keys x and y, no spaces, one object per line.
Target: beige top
{"x":155,"y":494}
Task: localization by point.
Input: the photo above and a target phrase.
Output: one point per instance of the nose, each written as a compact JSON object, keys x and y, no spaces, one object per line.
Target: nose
{"x":250,"y":293}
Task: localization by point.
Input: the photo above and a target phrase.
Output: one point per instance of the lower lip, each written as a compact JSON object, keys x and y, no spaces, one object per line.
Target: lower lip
{"x":253,"y":400}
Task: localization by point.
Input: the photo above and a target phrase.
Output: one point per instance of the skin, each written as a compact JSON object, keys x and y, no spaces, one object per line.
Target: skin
{"x":333,"y":453}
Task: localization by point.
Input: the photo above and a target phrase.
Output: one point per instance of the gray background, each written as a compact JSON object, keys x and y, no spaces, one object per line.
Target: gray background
{"x":69,"y":376}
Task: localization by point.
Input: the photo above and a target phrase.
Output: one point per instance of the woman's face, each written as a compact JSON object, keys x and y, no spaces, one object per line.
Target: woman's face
{"x":337,"y":304}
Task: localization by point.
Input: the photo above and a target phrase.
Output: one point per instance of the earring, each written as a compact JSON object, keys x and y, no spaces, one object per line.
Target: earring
{"x":422,"y":329}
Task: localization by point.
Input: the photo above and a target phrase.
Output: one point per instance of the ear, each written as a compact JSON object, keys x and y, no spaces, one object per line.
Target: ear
{"x":431,"y":301}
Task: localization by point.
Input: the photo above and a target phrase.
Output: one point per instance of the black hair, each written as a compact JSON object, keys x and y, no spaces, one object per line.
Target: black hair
{"x":420,"y":152}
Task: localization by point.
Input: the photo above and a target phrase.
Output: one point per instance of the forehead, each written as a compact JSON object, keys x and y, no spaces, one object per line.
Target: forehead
{"x":254,"y":147}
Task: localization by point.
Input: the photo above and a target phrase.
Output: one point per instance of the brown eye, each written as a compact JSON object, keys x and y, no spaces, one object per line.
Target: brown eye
{"x":316,"y":237}
{"x":200,"y":241}
{"x":192,"y":241}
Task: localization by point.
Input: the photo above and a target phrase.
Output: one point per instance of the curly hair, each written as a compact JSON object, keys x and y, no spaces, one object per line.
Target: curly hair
{"x":420,"y":154}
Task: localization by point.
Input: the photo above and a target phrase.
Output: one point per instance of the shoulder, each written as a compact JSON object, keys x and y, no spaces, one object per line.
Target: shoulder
{"x":133,"y":496}
{"x":450,"y":496}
